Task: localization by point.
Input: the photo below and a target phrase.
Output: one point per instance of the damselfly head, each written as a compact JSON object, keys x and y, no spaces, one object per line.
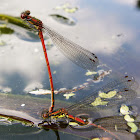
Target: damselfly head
{"x":25,"y":14}
{"x":45,"y":114}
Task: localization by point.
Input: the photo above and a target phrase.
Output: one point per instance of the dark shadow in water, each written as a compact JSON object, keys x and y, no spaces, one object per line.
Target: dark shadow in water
{"x":57,"y":134}
{"x":62,"y":19}
{"x":138,"y":4}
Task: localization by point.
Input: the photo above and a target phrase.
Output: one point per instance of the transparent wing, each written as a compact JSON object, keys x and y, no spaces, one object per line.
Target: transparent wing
{"x":119,"y":130}
{"x":115,"y":92}
{"x":123,"y":90}
{"x":72,"y":51}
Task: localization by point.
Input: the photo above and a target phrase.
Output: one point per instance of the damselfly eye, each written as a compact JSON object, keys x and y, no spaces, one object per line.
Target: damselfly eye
{"x":27,"y":12}
{"x":45,"y":114}
{"x":23,"y":16}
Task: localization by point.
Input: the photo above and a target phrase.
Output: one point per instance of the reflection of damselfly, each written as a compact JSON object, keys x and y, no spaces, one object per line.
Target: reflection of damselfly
{"x":80,"y":115}
{"x":74,"y":52}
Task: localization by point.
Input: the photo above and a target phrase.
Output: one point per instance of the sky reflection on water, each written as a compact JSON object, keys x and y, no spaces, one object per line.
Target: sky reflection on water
{"x":110,"y":29}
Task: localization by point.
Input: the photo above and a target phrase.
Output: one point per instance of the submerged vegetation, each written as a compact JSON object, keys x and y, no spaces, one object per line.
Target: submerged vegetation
{"x":13,"y":20}
{"x":6,"y":30}
{"x":63,"y":19}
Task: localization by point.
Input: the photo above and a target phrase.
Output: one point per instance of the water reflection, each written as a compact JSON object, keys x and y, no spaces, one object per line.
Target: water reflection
{"x":110,"y":33}
{"x":28,"y":110}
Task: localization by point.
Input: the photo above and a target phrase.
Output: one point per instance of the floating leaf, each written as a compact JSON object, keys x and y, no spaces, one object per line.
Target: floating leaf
{"x":73,"y":123}
{"x":110,"y":94}
{"x":95,"y":139}
{"x":71,"y":10}
{"x":119,"y":96}
{"x":128,"y":118}
{"x":124,"y":110}
{"x":41,"y":92}
{"x":68,"y":95}
{"x":116,"y":128}
{"x":10,"y":119}
{"x":90,"y":73}
{"x":6,"y":30}
{"x":134,"y":128}
{"x":62,"y":6}
{"x":14,"y":20}
{"x":67,"y":8}
{"x":62,"y":89}
{"x":63,"y":19}
{"x":58,"y":8}
{"x":22,"y":105}
{"x":98,"y":101}
{"x":4,"y":120}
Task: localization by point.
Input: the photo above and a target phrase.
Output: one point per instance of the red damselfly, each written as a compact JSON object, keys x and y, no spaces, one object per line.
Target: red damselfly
{"x":82,"y":113}
{"x":122,"y":89}
{"x":74,"y":52}
{"x":89,"y":118}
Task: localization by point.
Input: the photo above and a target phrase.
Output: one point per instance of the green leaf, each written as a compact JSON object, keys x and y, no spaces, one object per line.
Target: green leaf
{"x":6,"y":30}
{"x":14,"y":20}
{"x":98,"y":101}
